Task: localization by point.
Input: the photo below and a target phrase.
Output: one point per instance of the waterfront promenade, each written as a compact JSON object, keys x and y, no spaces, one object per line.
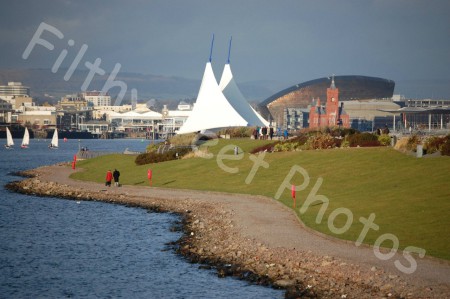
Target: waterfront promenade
{"x":261,"y":235}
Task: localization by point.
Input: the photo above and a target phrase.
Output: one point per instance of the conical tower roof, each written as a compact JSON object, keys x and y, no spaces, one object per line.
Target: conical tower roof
{"x":212,"y":109}
{"x":237,"y":100}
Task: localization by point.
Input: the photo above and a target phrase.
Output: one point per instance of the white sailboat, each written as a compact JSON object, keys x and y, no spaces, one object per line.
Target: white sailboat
{"x":54,"y":142}
{"x":26,"y":139}
{"x":9,"y":139}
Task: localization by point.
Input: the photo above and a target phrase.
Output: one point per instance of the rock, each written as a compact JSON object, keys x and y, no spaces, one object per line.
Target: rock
{"x":283,"y":283}
{"x":325,"y":263}
{"x":386,"y":287}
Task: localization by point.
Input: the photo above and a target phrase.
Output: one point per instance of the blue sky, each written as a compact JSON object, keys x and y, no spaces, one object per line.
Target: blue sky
{"x":284,"y":41}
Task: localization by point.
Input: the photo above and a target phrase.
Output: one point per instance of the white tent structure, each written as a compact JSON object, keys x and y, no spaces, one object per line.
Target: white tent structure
{"x":212,"y":110}
{"x":237,"y":100}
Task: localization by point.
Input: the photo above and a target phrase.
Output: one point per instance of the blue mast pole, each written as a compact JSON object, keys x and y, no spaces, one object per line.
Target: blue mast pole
{"x":229,"y":50}
{"x":212,"y":45}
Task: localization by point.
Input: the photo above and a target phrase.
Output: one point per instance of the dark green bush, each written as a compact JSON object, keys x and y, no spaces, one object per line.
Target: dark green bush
{"x":363,"y":140}
{"x":266,"y":147}
{"x":384,"y":139}
{"x":154,"y":157}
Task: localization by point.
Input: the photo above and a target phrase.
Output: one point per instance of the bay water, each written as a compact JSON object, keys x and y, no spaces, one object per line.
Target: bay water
{"x":56,"y":248}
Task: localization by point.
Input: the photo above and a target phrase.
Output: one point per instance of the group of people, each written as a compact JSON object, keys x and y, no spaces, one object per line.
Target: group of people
{"x":382,"y":131}
{"x":112,"y":175}
{"x":265,"y":133}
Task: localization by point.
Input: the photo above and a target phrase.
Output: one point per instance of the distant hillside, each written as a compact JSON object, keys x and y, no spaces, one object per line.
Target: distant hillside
{"x":47,"y":86}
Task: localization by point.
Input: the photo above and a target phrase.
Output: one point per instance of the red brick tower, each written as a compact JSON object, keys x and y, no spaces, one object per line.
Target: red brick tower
{"x":332,"y":106}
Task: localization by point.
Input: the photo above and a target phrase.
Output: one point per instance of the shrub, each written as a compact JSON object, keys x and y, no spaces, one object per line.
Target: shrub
{"x":154,"y":157}
{"x":183,"y":139}
{"x":320,"y":141}
{"x":402,"y":145}
{"x":237,"y":132}
{"x":263,"y":148}
{"x":434,"y":144}
{"x":342,"y":132}
{"x":363,"y":140}
{"x":300,"y":139}
{"x":445,"y":147}
{"x":152,"y":148}
{"x":345,"y":143}
{"x":413,"y":141}
{"x":384,"y":139}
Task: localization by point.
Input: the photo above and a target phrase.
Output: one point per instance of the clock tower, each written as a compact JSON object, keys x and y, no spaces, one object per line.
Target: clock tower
{"x":332,"y":106}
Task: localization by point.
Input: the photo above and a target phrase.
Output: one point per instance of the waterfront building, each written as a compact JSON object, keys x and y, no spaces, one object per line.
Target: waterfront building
{"x":332,"y":114}
{"x":370,"y":115}
{"x":139,"y":124}
{"x":16,"y":94}
{"x":173,"y":120}
{"x":295,"y":119}
{"x":351,"y":88}
{"x":6,"y":111}
{"x":422,"y":116}
{"x":183,"y":106}
{"x":37,"y":119}
{"x":72,"y":102}
{"x":14,"y":89}
{"x":97,"y":98}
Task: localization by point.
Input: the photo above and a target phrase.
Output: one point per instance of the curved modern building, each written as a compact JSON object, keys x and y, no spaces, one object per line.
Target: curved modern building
{"x":14,"y":89}
{"x":301,"y":95}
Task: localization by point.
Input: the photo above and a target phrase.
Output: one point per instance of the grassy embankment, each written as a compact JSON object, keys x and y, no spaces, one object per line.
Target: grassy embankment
{"x":410,"y":197}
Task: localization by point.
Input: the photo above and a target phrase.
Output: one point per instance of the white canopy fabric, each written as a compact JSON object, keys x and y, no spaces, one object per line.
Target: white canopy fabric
{"x":212,"y":109}
{"x":262,"y":119}
{"x":237,"y":100}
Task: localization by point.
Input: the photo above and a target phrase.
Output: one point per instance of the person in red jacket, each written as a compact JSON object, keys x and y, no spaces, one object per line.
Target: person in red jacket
{"x":108,"y":178}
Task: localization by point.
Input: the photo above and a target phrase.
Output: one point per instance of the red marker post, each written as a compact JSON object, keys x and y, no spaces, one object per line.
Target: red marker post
{"x":149,"y":176}
{"x":74,"y":162}
{"x":293,"y":195}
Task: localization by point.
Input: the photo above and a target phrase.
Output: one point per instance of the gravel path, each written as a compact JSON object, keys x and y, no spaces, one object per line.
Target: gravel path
{"x":269,"y":224}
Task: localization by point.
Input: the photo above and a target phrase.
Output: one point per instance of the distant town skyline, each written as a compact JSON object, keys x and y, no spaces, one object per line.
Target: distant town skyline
{"x":407,"y":41}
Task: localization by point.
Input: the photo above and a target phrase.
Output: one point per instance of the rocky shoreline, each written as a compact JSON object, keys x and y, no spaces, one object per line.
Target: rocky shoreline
{"x":212,"y":240}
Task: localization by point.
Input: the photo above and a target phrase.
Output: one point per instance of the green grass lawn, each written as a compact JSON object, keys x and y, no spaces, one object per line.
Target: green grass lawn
{"x":410,"y":197}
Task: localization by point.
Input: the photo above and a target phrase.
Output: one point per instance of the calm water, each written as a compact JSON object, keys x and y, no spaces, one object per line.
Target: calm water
{"x":54,"y":248}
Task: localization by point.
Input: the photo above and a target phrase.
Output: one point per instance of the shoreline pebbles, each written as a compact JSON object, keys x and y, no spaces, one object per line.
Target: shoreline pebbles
{"x":212,"y":240}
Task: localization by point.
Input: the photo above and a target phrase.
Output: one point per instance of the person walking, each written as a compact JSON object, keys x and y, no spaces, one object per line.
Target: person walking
{"x":271,"y":132}
{"x":116,"y":175}
{"x":108,"y":178}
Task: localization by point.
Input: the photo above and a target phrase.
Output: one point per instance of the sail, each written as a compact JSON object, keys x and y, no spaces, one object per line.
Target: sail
{"x":54,"y":142}
{"x":26,"y":138}
{"x":9,"y":139}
